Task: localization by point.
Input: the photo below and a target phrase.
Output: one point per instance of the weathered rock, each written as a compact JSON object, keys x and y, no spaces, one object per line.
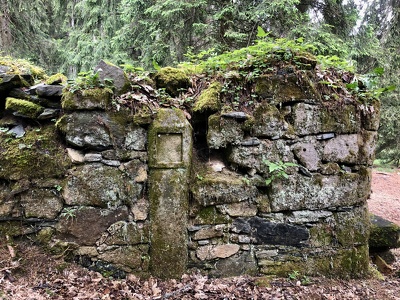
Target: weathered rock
{"x":313,"y":119}
{"x":127,"y":233}
{"x":307,"y":155}
{"x":90,"y":99}
{"x":223,"y":131}
{"x":76,"y":156}
{"x":299,"y":192}
{"x":140,"y":210}
{"x":209,"y":232}
{"x":384,"y":234}
{"x":119,"y":79}
{"x":241,"y":209}
{"x":271,"y":87}
{"x":220,"y":251}
{"x":342,"y":149}
{"x":371,"y":115}
{"x":91,"y":130}
{"x":49,"y":113}
{"x":85,"y":225}
{"x":236,"y":265}
{"x":269,"y":122}
{"x":172,"y":80}
{"x":36,"y":155}
{"x":93,"y":157}
{"x":17,"y":131}
{"x":220,"y":189}
{"x":23,"y":108}
{"x":99,"y":185}
{"x":252,"y":157}
{"x":128,"y":258}
{"x":136,"y":139}
{"x":45,"y":90}
{"x":41,"y":203}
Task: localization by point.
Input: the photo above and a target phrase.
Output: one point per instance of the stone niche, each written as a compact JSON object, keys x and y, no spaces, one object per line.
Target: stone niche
{"x":161,"y":195}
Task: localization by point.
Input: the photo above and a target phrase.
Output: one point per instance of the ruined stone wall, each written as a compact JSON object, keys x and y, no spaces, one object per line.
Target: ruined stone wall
{"x":119,"y":192}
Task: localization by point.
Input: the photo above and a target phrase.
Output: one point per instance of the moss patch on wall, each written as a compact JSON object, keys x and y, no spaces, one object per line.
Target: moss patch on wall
{"x":209,"y":98}
{"x":38,"y":154}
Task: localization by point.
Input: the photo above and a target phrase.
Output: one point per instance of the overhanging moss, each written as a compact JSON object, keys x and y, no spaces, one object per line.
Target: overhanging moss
{"x":24,"y":107}
{"x":209,"y":98}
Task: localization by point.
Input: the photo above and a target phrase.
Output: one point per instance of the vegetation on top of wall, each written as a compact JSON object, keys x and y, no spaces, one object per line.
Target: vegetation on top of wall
{"x":22,"y":66}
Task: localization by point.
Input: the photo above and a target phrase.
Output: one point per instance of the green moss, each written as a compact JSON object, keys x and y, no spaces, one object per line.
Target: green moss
{"x":209,"y":98}
{"x":36,"y":155}
{"x":172,"y":80}
{"x":86,"y":99}
{"x":21,"y":66}
{"x":209,"y":215}
{"x":11,"y":229}
{"x":24,"y":107}
{"x":56,"y":79}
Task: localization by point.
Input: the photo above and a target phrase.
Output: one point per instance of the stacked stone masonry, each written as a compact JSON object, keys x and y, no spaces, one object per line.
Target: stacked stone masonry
{"x":92,"y":186}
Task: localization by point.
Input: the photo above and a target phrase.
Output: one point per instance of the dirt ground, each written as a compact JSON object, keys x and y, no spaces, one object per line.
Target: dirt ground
{"x":28,"y":273}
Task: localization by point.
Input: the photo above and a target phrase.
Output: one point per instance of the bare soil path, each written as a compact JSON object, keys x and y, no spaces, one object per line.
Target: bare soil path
{"x":385,"y":197}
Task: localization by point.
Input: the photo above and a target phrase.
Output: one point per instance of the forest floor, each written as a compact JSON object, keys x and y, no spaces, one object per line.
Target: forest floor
{"x":37,"y":275}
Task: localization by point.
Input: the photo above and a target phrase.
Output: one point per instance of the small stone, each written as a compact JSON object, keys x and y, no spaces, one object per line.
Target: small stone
{"x":49,"y":113}
{"x":141,"y":175}
{"x":220,"y":251}
{"x":92,"y":157}
{"x":251,"y":142}
{"x":236,"y":115}
{"x":111,"y":163}
{"x":203,"y":242}
{"x":325,"y":136}
{"x":76,"y":156}
{"x":140,"y":210}
{"x":241,"y":209}
{"x":17,"y":131}
{"x":207,"y":233}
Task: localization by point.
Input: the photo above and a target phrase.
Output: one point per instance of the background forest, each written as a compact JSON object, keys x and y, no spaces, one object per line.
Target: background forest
{"x":71,"y":36}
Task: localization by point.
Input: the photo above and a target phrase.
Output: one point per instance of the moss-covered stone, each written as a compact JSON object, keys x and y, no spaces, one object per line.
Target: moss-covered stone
{"x":384,"y":234}
{"x":97,"y":98}
{"x":24,"y":107}
{"x":38,"y":154}
{"x":209,"y":99}
{"x":173,"y":80}
{"x":209,"y":215}
{"x":56,"y":79}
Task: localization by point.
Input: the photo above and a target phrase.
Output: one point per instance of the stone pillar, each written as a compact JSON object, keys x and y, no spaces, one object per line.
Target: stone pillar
{"x":170,"y":148}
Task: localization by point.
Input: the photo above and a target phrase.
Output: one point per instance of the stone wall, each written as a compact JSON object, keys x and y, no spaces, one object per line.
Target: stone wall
{"x":119,"y":191}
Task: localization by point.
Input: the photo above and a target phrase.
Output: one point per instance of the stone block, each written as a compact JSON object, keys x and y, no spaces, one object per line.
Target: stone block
{"x":269,"y":122}
{"x":127,"y":233}
{"x":240,"y":264}
{"x":223,"y":131}
{"x":342,"y":149}
{"x":119,"y":79}
{"x":252,"y":157}
{"x":89,"y":99}
{"x":220,"y":251}
{"x":136,"y":139}
{"x":241,"y":209}
{"x":308,"y":155}
{"x":128,"y":258}
{"x":318,"y":192}
{"x":41,"y":203}
{"x":91,"y":130}
{"x":85,"y":225}
{"x":101,"y":186}
{"x":209,"y":232}
{"x":309,"y":119}
{"x":222,"y":189}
